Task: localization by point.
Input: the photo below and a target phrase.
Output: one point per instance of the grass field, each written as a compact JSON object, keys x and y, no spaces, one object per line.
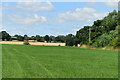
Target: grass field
{"x":22,"y":61}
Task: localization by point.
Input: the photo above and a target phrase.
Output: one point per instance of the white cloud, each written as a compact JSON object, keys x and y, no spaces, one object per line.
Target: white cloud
{"x":112,"y":4}
{"x":76,"y":29}
{"x":33,"y":19}
{"x":36,"y":6}
{"x":80,"y":14}
{"x":2,"y":29}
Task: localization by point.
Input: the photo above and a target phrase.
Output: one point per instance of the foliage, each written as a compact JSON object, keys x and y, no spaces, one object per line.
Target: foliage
{"x":90,"y":43}
{"x":105,"y":39}
{"x":110,"y":21}
{"x":26,"y":43}
{"x":116,"y":42}
{"x":33,"y":38}
{"x":60,"y":38}
{"x":70,"y":40}
{"x":26,"y":37}
{"x":52,"y":38}
{"x":83,"y":35}
{"x":20,"y":38}
{"x":5,"y":36}
{"x":99,"y":28}
{"x":47,"y":38}
{"x":76,"y":41}
{"x":38,"y":38}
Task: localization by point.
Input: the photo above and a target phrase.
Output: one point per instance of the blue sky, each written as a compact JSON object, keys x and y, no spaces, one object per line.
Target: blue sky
{"x":51,"y":18}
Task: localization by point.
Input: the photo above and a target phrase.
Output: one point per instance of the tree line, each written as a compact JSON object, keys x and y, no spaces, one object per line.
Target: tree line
{"x":102,"y":33}
{"x":6,"y":37}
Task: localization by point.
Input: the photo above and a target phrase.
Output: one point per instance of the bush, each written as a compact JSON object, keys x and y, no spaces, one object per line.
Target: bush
{"x":116,"y":42}
{"x":105,"y":39}
{"x":90,"y":43}
{"x":26,"y":43}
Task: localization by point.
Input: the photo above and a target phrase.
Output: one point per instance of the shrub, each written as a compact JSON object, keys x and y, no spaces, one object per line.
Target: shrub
{"x":105,"y":39}
{"x":90,"y":43}
{"x":26,"y":43}
{"x":116,"y":42}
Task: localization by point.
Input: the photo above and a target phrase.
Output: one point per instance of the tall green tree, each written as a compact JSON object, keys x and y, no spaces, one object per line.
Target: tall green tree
{"x":70,"y":40}
{"x":47,"y":38}
{"x":60,"y":38}
{"x":5,"y":36}
{"x":83,"y":35}
{"x":38,"y":38}
{"x":110,"y":21}
{"x":26,"y":37}
{"x":33,"y":38}
{"x":20,"y":38}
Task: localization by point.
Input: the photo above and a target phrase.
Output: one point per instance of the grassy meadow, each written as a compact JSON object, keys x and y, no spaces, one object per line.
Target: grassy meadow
{"x":28,"y":61}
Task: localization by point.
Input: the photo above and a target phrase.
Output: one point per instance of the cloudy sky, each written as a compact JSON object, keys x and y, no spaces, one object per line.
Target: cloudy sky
{"x":52,"y":18}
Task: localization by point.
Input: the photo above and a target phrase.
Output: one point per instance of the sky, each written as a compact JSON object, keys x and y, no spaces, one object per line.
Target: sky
{"x":51,"y":18}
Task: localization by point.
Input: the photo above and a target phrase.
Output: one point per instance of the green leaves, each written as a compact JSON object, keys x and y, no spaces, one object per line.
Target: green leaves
{"x":4,"y":36}
{"x":115,"y":42}
{"x":105,"y":39}
{"x":70,"y":40}
{"x":102,"y":31}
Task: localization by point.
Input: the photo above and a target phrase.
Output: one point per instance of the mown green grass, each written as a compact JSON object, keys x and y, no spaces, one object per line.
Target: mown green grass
{"x":27,"y":61}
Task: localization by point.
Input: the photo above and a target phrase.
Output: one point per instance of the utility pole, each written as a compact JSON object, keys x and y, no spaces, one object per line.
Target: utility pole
{"x":89,"y":34}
